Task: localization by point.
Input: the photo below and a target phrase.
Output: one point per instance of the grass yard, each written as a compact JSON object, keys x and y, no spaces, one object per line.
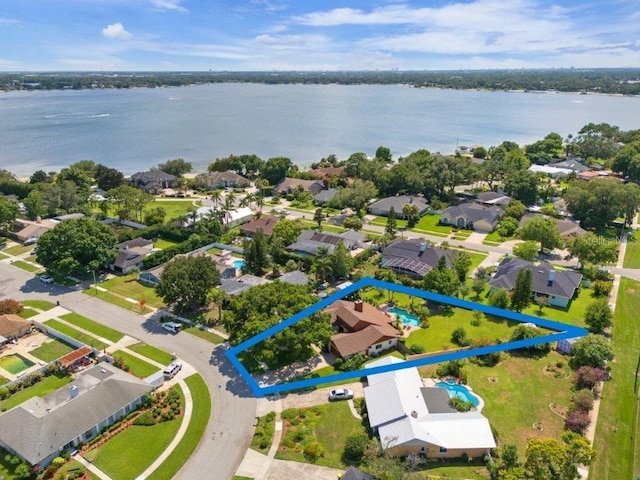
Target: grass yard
{"x":329,"y":425}
{"x":204,"y":334}
{"x":195,"y":430}
{"x":616,"y":441}
{"x":18,"y":249}
{"x":26,"y":266}
{"x":430,"y":223}
{"x":119,"y":301}
{"x":263,"y":435}
{"x":174,"y":208}
{"x":130,"y":452}
{"x":50,"y":351}
{"x":494,"y":239}
{"x":93,"y":327}
{"x":138,"y":367}
{"x":28,"y":313}
{"x":2,"y":257}
{"x":38,"y":304}
{"x":152,"y":352}
{"x":462,"y":234}
{"x":3,"y":380}
{"x":326,"y":227}
{"x":130,"y":287}
{"x":573,"y":316}
{"x":162,"y":243}
{"x":44,"y":387}
{"x":73,"y":333}
{"x":632,"y":254}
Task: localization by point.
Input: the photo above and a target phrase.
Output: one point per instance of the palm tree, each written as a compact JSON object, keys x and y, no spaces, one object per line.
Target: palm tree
{"x":260,"y":202}
{"x":321,"y":264}
{"x":231,"y":197}
{"x":410,"y":212}
{"x":228,"y":203}
{"x":216,"y":196}
{"x":218,"y":297}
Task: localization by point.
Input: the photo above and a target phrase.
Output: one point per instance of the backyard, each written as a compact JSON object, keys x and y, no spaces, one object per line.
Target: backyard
{"x":44,"y":387}
{"x":174,"y":208}
{"x":50,"y":351}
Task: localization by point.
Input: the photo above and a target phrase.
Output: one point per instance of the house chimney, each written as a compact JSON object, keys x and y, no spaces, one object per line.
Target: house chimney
{"x":358,"y":305}
{"x":73,"y":391}
{"x":552,"y":276}
{"x":414,"y":414}
{"x":423,"y":246}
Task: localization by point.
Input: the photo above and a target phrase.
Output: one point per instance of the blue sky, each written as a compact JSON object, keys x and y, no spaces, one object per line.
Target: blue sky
{"x":317,"y":35}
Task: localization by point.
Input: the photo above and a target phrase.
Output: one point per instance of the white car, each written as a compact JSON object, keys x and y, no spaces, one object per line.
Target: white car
{"x":46,"y":279}
{"x":341,"y":394}
{"x":172,"y":327}
{"x":30,"y":241}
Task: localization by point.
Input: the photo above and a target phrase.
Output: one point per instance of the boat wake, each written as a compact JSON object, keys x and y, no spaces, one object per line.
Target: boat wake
{"x":74,"y":116}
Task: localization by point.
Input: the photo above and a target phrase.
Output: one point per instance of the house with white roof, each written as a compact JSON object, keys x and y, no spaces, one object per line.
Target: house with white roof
{"x":413,"y":419}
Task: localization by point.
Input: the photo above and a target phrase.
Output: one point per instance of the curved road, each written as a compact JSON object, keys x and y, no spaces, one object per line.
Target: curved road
{"x":233,"y":411}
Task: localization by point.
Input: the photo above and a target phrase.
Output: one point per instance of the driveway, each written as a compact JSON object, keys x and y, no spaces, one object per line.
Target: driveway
{"x":230,"y":426}
{"x":317,"y":397}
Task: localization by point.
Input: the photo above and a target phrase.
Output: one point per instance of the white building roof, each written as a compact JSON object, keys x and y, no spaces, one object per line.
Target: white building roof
{"x":553,"y":171}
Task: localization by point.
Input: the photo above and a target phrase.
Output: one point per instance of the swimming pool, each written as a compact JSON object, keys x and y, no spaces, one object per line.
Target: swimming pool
{"x":238,"y":264}
{"x":15,"y":363}
{"x":405,"y":317}
{"x":459,"y":391}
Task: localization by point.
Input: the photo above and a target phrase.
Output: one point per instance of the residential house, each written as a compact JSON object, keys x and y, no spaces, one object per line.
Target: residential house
{"x":264,"y":223}
{"x":309,"y":241}
{"x":361,"y":328}
{"x":216,"y":180}
{"x":559,"y":286}
{"x":568,"y":228}
{"x":288,"y":185}
{"x":553,"y":172}
{"x":25,"y":229}
{"x":153,"y":181}
{"x":572,"y":163}
{"x":236,"y":286}
{"x":328,"y":172}
{"x":295,"y":278}
{"x":410,"y":418}
{"x":472,"y":216}
{"x":325,"y":196}
{"x":40,"y":429}
{"x":224,"y":265}
{"x":566,"y":346}
{"x":130,"y":255}
{"x":493,"y":198}
{"x":413,"y":257}
{"x":591,"y":174}
{"x":384,"y":206}
{"x":12,"y":327}
{"x":232,"y":218}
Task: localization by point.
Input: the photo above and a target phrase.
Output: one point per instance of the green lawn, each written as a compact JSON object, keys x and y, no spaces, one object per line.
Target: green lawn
{"x":495,"y":239}
{"x":130,"y":452}
{"x":2,"y":257}
{"x":326,"y":226}
{"x":44,"y":387}
{"x":138,"y":367}
{"x":119,"y":301}
{"x":73,"y":333}
{"x":331,"y":424}
{"x":52,"y":350}
{"x":28,"y":313}
{"x":174,"y":208}
{"x":263,"y":434}
{"x":3,"y":380}
{"x":204,"y":334}
{"x":25,"y":266}
{"x":39,"y":304}
{"x":573,"y":316}
{"x":93,"y":327}
{"x":152,"y":352}
{"x":130,"y":287}
{"x":195,"y":430}
{"x":162,"y":243}
{"x":429,"y":223}
{"x":616,"y":440}
{"x":632,"y":254}
{"x":18,"y":249}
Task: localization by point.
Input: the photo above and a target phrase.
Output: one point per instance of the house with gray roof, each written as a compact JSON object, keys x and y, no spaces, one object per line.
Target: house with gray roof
{"x":575,"y":164}
{"x":216,"y":180}
{"x":473,"y":216}
{"x":382,"y":207}
{"x":493,"y":198}
{"x":153,"y":181}
{"x":410,"y":418}
{"x":294,"y":278}
{"x":559,"y":286}
{"x":288,"y":185}
{"x":325,"y":196}
{"x":131,"y":254}
{"x":309,"y":241}
{"x":236,"y":286}
{"x":414,"y":257}
{"x":41,"y":428}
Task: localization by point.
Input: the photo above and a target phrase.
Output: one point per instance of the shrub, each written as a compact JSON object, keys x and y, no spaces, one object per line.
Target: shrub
{"x":313,"y":451}
{"x":417,"y":349}
{"x":146,"y":419}
{"x":4,"y":393}
{"x":355,"y":445}
{"x":10,"y":306}
{"x":450,"y":369}
{"x":602,"y":288}
{"x":588,"y":377}
{"x":583,"y":400}
{"x":459,"y":337}
{"x":22,"y":471}
{"x":578,"y":421}
{"x":460,"y":404}
{"x":58,"y":462}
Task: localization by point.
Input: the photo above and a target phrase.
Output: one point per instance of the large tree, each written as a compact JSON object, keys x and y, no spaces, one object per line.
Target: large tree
{"x":547,"y":458}
{"x":592,"y":351}
{"x":523,"y":290}
{"x":390,"y":227}
{"x":128,"y":202}
{"x":441,"y":279}
{"x":108,"y":178}
{"x":355,"y":195}
{"x":598,"y":316}
{"x":543,"y":230}
{"x":35,"y":205}
{"x":341,"y":261}
{"x":275,"y":169}
{"x":590,"y":248}
{"x":8,"y":213}
{"x":288,"y":230}
{"x":255,"y":254}
{"x":187,"y":281}
{"x":77,"y":247}
{"x":177,"y":167}
{"x":627,"y":161}
{"x":522,"y":185}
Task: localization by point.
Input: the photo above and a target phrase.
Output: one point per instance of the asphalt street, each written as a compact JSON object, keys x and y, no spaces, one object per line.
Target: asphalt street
{"x":233,"y":411}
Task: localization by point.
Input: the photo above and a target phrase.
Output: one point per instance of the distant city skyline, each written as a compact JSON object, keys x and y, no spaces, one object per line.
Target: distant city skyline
{"x":173,"y":35}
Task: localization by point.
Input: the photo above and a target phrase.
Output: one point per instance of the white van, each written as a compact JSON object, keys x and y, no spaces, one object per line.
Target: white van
{"x":172,"y":370}
{"x":172,"y":327}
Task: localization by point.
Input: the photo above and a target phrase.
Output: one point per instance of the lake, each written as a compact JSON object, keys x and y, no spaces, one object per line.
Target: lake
{"x":132,"y":130}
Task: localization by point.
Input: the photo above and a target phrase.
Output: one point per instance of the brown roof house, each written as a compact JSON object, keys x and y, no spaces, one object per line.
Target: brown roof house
{"x":153,"y":181}
{"x":289,"y":185}
{"x":12,"y":326}
{"x":361,"y":328}
{"x":215,"y":180}
{"x":26,"y":229}
{"x":264,"y":223}
{"x":472,"y":216}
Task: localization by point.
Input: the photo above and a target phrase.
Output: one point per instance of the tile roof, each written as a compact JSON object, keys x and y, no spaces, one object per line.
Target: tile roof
{"x":289,"y":184}
{"x":309,"y":241}
{"x":212,"y":179}
{"x":414,"y":255}
{"x":295,"y":278}
{"x":398,"y":202}
{"x":11,"y":324}
{"x":474,"y":212}
{"x":236,"y":286}
{"x":264,"y":223}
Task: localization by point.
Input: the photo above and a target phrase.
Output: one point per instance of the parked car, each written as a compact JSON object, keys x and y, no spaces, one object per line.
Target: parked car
{"x":341,"y":394}
{"x":30,"y":241}
{"x":46,"y":279}
{"x":172,"y":370}
{"x":172,"y":327}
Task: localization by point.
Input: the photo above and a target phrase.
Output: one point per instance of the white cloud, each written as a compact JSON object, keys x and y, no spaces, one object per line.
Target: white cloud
{"x":116,"y":31}
{"x":8,"y":21}
{"x":169,"y":5}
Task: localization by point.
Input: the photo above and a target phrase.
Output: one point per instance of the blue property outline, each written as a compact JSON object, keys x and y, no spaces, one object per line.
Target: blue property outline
{"x":564,"y":331}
